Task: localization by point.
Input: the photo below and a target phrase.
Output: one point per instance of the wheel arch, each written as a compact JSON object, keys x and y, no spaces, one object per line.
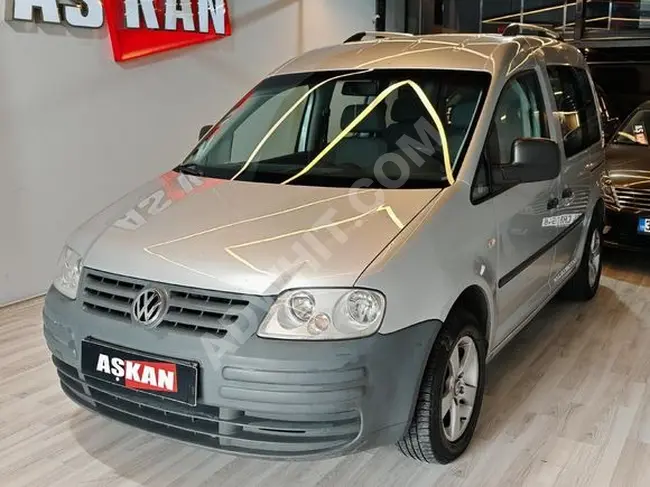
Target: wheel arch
{"x":599,"y":210}
{"x":474,"y":300}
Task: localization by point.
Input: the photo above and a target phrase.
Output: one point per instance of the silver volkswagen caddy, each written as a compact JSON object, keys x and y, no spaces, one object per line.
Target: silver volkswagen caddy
{"x":337,"y":259}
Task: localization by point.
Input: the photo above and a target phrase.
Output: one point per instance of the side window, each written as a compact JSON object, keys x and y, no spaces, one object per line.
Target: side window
{"x":520,"y":112}
{"x":590,"y":107}
{"x":577,"y":111}
{"x":481,"y":186}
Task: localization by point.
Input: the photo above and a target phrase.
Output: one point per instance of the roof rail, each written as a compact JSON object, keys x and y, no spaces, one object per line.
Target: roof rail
{"x":518,"y":28}
{"x":359,"y":36}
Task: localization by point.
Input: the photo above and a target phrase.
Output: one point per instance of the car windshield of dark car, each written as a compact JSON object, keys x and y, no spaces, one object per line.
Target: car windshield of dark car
{"x":371,"y":128}
{"x":634,"y":130}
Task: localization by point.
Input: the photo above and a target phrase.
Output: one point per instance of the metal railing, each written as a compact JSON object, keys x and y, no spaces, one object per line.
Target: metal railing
{"x":583,"y":18}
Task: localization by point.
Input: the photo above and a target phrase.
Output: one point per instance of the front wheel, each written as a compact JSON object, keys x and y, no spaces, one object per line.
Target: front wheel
{"x":451,"y":393}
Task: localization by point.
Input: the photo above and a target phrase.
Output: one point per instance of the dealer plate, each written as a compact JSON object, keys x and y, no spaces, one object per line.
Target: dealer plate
{"x":165,"y":377}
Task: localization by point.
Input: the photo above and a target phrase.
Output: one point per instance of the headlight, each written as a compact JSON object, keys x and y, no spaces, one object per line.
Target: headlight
{"x":606,"y":183}
{"x":608,"y":192}
{"x":68,"y":272}
{"x":324,"y":314}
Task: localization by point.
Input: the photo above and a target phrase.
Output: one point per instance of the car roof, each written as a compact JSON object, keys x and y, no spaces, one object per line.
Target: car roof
{"x":477,"y":52}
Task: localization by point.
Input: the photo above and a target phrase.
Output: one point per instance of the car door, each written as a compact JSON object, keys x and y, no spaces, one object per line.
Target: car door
{"x":576,"y":112}
{"x":525,"y":242}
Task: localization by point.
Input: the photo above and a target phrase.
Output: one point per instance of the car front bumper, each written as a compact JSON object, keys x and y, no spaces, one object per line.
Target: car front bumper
{"x":622,"y":231}
{"x":263,"y":398}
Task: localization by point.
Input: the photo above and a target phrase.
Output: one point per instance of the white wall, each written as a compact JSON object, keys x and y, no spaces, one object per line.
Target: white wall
{"x":78,"y":130}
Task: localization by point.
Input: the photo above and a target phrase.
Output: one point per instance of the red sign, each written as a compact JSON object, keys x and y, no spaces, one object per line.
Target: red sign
{"x":136,"y":28}
{"x":131,"y":43}
{"x":151,"y":376}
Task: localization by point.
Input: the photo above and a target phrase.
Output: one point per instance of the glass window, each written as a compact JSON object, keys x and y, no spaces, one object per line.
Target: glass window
{"x":577,"y":111}
{"x":519,"y":113}
{"x":331,"y":128}
{"x":481,"y":186}
{"x":634,"y":131}
{"x":281,"y":142}
{"x":344,"y":96}
{"x":589,"y":109}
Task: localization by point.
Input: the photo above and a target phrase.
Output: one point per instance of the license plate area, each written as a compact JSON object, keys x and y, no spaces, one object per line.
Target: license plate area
{"x":166,"y":377}
{"x":643,"y":227}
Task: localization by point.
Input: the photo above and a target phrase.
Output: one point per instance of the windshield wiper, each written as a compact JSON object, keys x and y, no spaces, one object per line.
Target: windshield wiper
{"x":192,"y":169}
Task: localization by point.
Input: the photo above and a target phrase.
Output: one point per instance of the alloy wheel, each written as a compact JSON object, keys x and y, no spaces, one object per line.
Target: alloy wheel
{"x":594,"y":258}
{"x":459,"y":388}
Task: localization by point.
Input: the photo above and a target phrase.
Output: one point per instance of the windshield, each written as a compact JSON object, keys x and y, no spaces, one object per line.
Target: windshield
{"x":634,"y":130}
{"x":336,"y":128}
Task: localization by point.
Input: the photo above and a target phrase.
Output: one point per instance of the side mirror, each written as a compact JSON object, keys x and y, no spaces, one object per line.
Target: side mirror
{"x":532,"y":160}
{"x":204,"y":130}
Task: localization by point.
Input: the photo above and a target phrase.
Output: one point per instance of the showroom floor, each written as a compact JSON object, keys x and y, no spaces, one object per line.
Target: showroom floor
{"x":568,"y":405}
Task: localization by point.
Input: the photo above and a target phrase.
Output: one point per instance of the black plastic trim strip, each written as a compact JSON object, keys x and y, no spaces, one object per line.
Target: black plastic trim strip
{"x":530,"y":260}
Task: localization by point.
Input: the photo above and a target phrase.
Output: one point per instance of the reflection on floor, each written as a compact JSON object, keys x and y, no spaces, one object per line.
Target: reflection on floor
{"x":568,"y":405}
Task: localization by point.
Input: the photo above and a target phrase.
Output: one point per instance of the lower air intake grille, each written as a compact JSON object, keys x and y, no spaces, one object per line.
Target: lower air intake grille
{"x":225,"y":429}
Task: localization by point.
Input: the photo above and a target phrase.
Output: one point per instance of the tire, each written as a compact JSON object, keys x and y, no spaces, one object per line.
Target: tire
{"x":427,"y":438}
{"x":584,"y":285}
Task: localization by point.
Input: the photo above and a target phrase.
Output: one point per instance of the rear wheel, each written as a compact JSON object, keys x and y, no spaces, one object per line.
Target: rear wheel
{"x":585,"y":282}
{"x":451,"y":393}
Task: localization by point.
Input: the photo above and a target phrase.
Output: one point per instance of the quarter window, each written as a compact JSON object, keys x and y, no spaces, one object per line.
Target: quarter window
{"x":577,"y":111}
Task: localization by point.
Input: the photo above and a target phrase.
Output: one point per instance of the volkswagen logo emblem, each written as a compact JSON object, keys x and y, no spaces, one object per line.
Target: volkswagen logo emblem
{"x":149,"y":308}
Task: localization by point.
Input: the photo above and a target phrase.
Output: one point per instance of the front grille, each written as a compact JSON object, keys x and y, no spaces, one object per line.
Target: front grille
{"x":609,"y":199}
{"x":633,"y":199}
{"x":107,"y":295}
{"x":191,"y":310}
{"x":281,"y":434}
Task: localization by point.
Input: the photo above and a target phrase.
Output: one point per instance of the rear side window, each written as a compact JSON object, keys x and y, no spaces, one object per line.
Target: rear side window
{"x":577,"y":110}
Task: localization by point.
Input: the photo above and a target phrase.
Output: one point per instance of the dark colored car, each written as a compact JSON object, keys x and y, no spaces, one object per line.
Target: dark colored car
{"x":626,"y":183}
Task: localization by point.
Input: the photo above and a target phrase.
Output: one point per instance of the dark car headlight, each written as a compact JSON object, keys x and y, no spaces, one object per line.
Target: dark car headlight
{"x":607,"y":189}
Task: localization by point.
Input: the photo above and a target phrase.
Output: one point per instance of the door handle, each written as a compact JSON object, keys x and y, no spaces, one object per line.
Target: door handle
{"x":567,"y":193}
{"x":552,"y":203}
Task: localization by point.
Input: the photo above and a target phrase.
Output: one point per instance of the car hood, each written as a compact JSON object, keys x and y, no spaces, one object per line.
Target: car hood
{"x":629,"y":165}
{"x":245,"y":237}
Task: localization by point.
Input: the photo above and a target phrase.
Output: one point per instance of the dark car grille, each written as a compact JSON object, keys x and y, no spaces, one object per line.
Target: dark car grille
{"x":633,"y":199}
{"x":609,"y":199}
{"x":189,"y":309}
{"x":284,"y":434}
